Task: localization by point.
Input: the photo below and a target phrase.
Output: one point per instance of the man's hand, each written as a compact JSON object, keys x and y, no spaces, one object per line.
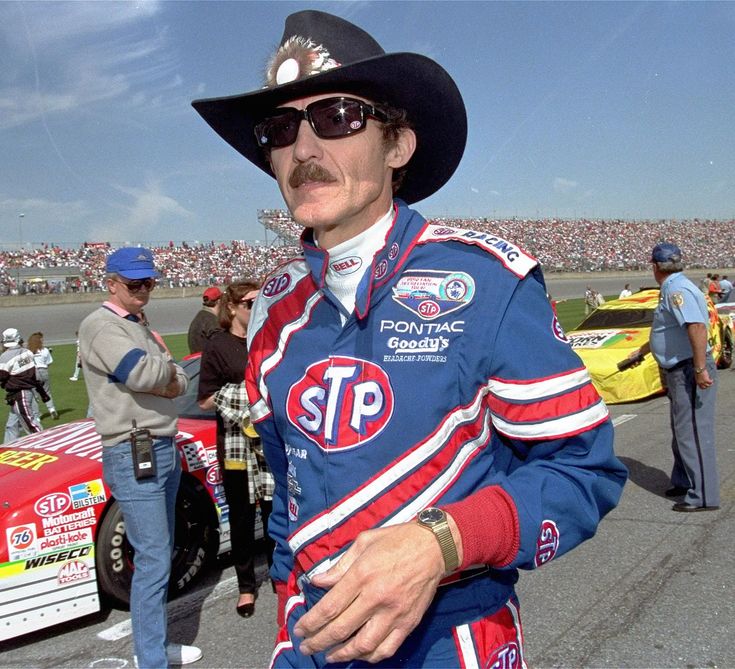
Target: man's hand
{"x":378,"y":593}
{"x":169,"y":391}
{"x":703,"y":379}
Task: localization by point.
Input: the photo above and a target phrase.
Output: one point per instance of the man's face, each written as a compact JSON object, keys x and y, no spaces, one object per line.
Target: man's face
{"x":131,"y":300}
{"x":339,"y":187}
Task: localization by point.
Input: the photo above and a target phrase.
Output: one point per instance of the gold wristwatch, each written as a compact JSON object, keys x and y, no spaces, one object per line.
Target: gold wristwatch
{"x":436,"y":520}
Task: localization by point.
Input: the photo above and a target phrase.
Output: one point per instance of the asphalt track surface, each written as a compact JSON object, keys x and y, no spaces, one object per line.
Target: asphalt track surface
{"x":653,"y":588}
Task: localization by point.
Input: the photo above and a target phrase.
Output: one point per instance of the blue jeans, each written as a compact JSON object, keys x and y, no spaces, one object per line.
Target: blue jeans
{"x":148,"y":507}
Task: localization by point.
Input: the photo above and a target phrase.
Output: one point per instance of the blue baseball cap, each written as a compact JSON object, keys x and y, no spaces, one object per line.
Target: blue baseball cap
{"x":133,"y":262}
{"x":666,"y":252}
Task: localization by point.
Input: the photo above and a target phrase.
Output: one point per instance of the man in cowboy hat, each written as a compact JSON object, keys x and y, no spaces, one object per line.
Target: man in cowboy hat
{"x":429,"y":428}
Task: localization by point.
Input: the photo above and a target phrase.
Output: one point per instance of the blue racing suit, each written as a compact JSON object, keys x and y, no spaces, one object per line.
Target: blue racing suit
{"x":452,"y":374}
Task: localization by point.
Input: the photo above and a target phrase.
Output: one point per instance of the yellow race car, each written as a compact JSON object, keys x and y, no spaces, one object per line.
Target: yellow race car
{"x":615,"y":330}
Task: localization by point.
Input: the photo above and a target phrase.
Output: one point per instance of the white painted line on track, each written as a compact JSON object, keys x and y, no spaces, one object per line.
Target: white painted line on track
{"x":182,"y":605}
{"x":624,"y":418}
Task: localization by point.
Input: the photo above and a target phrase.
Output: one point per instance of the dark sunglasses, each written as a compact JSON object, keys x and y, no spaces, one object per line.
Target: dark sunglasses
{"x":136,"y":285}
{"x":330,"y":118}
{"x":247,"y":303}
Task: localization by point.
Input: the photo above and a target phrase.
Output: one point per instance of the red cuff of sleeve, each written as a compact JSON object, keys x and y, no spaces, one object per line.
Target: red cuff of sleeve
{"x":280,"y":588}
{"x":488,"y":524}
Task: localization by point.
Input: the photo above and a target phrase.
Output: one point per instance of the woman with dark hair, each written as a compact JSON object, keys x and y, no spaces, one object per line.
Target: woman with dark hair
{"x":246,"y":478}
{"x":42,"y":358}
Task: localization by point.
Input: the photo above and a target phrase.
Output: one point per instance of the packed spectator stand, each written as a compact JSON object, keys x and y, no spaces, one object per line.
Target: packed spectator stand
{"x":562,"y":245}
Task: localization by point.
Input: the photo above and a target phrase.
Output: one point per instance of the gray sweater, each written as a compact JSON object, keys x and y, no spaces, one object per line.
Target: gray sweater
{"x":122,"y":364}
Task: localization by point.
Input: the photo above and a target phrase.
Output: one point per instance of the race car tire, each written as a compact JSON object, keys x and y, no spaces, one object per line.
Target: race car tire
{"x":725,"y":360}
{"x":193,"y":545}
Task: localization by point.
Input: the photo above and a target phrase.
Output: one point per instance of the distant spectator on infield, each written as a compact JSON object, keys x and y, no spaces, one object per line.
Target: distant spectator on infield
{"x":626,"y":292}
{"x":205,"y":321}
{"x":43,"y":358}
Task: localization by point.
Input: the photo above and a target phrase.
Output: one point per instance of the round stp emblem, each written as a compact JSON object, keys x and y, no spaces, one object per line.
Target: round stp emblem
{"x":547,"y":543}
{"x":341,"y":403}
{"x":428,"y":309}
{"x":276,"y":285}
{"x":558,"y":330}
{"x":53,"y":504}
{"x":381,"y":270}
{"x":214,"y":475}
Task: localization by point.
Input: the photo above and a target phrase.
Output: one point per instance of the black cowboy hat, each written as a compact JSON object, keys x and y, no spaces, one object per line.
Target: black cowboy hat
{"x":321,"y":53}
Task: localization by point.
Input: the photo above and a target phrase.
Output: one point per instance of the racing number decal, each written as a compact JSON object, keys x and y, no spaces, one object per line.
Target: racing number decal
{"x":341,"y":402}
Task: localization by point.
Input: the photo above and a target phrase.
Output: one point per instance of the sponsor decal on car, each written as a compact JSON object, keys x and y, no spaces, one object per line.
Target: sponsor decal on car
{"x":87,"y":494}
{"x":69,"y":522}
{"x":53,"y":504}
{"x":21,"y":541}
{"x":195,"y":454}
{"x":598,"y":338}
{"x":32,"y":460}
{"x":72,"y":571}
{"x":214,"y":475}
{"x":82,"y":536}
{"x":53,"y":558}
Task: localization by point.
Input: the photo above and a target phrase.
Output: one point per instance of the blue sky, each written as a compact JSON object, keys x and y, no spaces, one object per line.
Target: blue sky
{"x":599,"y":109}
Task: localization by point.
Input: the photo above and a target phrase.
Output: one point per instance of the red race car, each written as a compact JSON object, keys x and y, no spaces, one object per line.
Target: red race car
{"x":64,"y":553}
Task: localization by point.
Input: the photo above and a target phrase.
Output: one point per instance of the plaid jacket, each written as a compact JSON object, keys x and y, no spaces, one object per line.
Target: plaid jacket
{"x":242,"y":452}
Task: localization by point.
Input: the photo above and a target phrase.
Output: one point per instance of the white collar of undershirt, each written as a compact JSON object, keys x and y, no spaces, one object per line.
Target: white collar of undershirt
{"x":349,"y":260}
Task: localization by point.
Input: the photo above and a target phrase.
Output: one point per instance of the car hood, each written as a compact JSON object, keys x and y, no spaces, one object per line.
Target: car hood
{"x":52,"y":461}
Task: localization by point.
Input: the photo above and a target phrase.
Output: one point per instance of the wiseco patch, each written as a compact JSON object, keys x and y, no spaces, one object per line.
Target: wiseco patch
{"x":430,"y":294}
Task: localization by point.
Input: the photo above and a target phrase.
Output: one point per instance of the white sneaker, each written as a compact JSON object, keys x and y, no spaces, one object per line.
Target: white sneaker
{"x":71,"y":378}
{"x":180,"y":654}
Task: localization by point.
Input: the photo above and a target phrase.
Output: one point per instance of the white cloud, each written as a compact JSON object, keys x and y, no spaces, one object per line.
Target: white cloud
{"x":562,"y":185}
{"x":151,"y":211}
{"x":69,"y":56}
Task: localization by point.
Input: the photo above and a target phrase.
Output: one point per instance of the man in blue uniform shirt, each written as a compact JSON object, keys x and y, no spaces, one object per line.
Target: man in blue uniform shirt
{"x":679,"y":344}
{"x":429,"y":428}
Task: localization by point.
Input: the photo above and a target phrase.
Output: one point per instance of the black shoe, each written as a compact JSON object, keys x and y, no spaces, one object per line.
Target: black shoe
{"x":676,"y":491}
{"x":246,"y":610}
{"x":690,"y":508}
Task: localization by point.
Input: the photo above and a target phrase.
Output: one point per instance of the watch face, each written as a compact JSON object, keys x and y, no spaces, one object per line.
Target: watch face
{"x":431,"y":515}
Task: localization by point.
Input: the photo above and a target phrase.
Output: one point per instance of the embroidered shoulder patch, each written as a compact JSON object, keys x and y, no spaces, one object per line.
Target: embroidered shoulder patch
{"x":677,"y":299}
{"x":513,"y":257}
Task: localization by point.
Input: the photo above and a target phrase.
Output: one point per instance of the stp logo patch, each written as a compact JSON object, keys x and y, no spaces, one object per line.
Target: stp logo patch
{"x":341,"y":402}
{"x":277,"y":285}
{"x":508,"y":656}
{"x":547,"y":543}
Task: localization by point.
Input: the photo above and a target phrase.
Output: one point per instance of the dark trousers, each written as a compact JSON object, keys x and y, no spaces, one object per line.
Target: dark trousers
{"x":693,"y":434}
{"x":242,"y":528}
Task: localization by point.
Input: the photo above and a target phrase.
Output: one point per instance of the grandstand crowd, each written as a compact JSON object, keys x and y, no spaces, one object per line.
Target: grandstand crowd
{"x":561,"y":245}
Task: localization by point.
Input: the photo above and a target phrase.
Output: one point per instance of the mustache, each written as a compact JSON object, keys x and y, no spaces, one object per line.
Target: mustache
{"x":305,"y":172}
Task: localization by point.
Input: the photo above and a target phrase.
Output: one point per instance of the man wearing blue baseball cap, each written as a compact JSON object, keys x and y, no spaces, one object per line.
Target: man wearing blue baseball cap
{"x":679,"y":345}
{"x":131,"y":381}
